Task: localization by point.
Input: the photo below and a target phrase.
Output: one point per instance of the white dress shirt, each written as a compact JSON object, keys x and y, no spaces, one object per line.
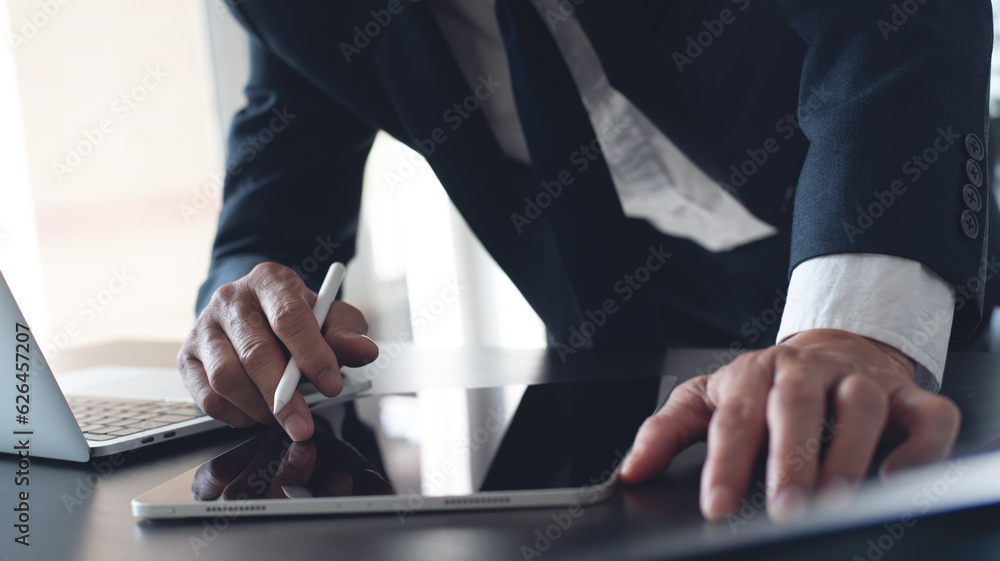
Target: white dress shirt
{"x":896,"y":301}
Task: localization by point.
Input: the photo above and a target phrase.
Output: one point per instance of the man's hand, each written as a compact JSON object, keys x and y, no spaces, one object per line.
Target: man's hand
{"x":786,"y":394}
{"x":234,"y":356}
{"x":325,"y":466}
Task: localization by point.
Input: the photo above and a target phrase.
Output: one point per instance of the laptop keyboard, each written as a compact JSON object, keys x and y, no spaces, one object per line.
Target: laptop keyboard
{"x":103,"y":418}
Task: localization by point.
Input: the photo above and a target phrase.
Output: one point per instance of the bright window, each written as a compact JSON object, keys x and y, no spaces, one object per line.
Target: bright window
{"x":113,"y":170}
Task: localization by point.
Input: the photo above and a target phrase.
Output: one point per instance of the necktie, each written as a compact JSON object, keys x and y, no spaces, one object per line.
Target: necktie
{"x":606,"y":268}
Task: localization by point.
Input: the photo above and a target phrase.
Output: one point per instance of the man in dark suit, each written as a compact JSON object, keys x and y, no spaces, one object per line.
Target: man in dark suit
{"x":855,"y":131}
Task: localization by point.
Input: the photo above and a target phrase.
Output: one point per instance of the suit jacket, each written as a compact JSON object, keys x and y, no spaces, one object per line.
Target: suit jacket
{"x":852,"y":126}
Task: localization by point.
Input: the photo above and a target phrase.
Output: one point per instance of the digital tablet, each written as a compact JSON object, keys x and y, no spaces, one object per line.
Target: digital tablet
{"x":545,"y":445}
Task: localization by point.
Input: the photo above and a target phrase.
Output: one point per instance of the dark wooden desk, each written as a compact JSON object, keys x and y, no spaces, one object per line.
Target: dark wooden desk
{"x":83,"y":511}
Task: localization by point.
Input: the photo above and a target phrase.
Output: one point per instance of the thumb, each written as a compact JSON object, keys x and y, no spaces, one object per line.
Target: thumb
{"x":683,"y":420}
{"x":345,"y":330}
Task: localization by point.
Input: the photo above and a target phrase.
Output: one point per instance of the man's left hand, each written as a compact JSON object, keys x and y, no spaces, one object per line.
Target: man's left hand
{"x":787,"y":394}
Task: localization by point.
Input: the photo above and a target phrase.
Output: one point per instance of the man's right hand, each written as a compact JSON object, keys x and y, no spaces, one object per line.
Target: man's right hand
{"x":235,"y":354}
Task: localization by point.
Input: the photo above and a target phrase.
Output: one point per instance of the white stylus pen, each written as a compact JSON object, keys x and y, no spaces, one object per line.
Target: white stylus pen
{"x":327,"y":293}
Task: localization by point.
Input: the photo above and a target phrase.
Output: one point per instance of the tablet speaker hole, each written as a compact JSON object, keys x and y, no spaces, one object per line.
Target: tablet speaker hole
{"x":477,"y":501}
{"x":234,"y":508}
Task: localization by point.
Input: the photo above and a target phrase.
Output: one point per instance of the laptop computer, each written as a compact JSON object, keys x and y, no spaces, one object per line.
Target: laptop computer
{"x":96,"y":411}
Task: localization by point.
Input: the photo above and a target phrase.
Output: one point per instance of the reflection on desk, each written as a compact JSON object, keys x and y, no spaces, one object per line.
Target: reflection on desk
{"x":82,"y":512}
{"x":565,"y":439}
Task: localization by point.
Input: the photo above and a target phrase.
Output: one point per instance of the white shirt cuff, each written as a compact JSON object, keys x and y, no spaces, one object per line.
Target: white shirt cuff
{"x":895,"y":301}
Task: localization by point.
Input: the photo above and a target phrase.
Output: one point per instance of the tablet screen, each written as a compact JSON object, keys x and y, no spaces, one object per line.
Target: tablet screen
{"x":437,"y":443}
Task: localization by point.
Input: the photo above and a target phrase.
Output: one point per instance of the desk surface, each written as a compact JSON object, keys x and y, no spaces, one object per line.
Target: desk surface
{"x":82,"y":511}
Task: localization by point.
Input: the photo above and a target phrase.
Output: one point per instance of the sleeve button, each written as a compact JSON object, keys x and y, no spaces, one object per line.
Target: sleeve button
{"x":970,"y":225}
{"x":974,"y":146}
{"x":971,"y":197}
{"x":974,"y":172}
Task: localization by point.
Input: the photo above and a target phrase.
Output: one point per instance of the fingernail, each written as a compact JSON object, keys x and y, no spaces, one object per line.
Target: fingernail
{"x":296,"y":427}
{"x":295,"y":455}
{"x":717,"y":502}
{"x":297,"y":492}
{"x":627,"y":463}
{"x":375,"y":349}
{"x":835,"y":495}
{"x":788,"y":503}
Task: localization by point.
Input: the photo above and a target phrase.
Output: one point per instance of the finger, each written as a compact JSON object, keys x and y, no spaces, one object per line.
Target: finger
{"x":735,"y":434}
{"x":287,"y":305}
{"x":196,"y":381}
{"x":212,"y":478}
{"x":931,"y":422}
{"x":296,"y":468}
{"x":682,"y":421}
{"x":346,"y":331}
{"x":339,"y":483}
{"x":207,"y":486}
{"x":252,"y":481}
{"x":264,"y":363}
{"x":796,"y":408}
{"x":228,"y":377}
{"x":295,"y":418}
{"x":369,"y":482}
{"x":861,"y":409}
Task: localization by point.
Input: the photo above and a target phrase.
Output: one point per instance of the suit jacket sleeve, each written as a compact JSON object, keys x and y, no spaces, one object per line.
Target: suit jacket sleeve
{"x":891,"y":91}
{"x":293,"y":178}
